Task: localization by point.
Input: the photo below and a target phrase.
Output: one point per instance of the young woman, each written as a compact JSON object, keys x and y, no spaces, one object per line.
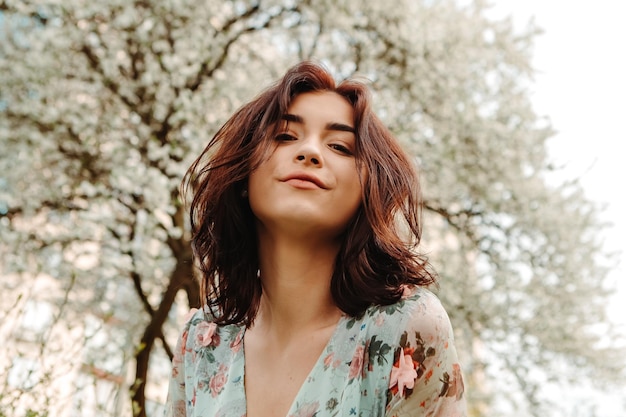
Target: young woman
{"x":305,"y":221}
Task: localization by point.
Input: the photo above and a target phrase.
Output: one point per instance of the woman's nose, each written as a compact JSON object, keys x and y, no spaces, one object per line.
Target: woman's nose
{"x":309,"y":153}
{"x":312,"y":159}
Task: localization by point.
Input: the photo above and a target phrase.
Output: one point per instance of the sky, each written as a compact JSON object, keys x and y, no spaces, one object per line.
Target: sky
{"x":580,"y":84}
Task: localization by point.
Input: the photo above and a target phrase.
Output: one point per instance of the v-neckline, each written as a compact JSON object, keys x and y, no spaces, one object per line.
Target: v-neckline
{"x":318,"y":362}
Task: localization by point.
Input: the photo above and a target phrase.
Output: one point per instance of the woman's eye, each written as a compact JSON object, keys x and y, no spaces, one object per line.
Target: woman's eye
{"x":283,"y":137}
{"x":341,"y":148}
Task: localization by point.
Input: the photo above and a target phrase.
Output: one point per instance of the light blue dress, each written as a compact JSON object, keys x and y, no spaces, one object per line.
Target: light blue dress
{"x":397,"y":360}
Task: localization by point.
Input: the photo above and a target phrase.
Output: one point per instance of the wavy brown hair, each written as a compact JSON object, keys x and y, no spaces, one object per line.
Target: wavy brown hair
{"x":378,"y":256}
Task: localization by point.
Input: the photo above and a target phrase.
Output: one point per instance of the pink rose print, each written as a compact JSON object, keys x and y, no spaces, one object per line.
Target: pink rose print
{"x":356,"y":364}
{"x":407,"y":291}
{"x":235,"y":345}
{"x":190,"y":314}
{"x":216,"y":384}
{"x":328,"y":360}
{"x":180,"y":353}
{"x":306,"y":410}
{"x":403,"y":375}
{"x":206,"y":334}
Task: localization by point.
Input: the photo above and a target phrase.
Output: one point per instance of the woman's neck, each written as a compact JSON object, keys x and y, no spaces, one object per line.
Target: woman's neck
{"x":295,"y":276}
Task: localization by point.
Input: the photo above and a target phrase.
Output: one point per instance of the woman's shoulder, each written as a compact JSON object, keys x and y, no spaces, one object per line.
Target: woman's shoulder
{"x":414,"y":301}
{"x":418,"y":311}
{"x":426,"y":373}
{"x":421,"y":303}
{"x":201,"y":331}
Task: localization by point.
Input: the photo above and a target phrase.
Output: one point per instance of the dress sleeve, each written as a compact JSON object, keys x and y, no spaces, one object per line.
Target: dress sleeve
{"x":176,"y":405}
{"x":426,"y":378}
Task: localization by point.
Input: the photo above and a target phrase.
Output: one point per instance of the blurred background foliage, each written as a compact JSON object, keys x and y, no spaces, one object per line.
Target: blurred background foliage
{"x":103,"y":106}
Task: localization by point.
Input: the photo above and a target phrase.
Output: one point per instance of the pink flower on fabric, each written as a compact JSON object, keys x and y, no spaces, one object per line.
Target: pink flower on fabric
{"x":407,"y":291}
{"x":403,"y":375}
{"x":190,"y":314}
{"x":356,"y":364}
{"x":206,"y":334}
{"x":216,"y":384}
{"x":306,"y":410}
{"x":236,"y":344}
{"x":328,"y":360}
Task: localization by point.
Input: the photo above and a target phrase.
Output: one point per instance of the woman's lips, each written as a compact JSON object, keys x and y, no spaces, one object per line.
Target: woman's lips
{"x":302,"y":180}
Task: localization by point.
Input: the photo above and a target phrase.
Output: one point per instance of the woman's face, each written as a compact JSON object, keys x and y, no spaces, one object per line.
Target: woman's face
{"x":310,"y":183}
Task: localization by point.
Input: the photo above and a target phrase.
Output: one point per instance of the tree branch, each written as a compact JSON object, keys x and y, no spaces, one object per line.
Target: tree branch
{"x":178,"y":278}
{"x":206,"y":72}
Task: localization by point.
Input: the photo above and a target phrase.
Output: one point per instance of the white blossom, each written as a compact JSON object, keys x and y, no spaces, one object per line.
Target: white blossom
{"x":103,"y":106}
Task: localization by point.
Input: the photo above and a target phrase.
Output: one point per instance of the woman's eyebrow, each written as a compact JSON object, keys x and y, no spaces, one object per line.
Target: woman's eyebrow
{"x":293,"y":118}
{"x":340,"y":127}
{"x":329,"y":126}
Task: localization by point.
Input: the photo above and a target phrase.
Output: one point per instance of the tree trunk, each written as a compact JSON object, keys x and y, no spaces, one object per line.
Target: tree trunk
{"x":179,"y":278}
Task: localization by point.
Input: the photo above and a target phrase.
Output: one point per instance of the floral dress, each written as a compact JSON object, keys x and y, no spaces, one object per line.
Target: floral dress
{"x":397,"y":360}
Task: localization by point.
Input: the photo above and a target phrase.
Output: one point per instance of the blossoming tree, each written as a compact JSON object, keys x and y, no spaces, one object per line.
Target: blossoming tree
{"x":103,"y":105}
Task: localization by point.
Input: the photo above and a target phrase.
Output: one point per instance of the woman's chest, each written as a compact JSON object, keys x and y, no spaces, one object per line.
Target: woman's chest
{"x":348,"y":376}
{"x":275,"y":372}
